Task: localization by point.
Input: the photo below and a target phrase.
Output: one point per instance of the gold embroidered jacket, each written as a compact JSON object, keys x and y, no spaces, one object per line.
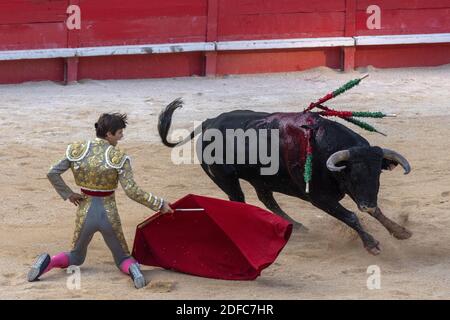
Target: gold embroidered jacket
{"x":99,"y":166}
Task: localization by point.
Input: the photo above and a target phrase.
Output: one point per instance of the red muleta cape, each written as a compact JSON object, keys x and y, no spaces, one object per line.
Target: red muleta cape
{"x":227,"y":240}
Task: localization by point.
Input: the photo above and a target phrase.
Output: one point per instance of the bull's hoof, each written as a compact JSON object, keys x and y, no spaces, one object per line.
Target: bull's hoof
{"x":402,"y":234}
{"x":374,"y":249}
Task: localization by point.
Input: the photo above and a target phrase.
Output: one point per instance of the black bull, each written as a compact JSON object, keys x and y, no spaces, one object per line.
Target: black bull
{"x":343,"y":163}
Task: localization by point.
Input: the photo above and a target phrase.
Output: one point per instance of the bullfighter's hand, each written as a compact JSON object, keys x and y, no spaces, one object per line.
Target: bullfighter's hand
{"x":76,"y":198}
{"x":166,"y":208}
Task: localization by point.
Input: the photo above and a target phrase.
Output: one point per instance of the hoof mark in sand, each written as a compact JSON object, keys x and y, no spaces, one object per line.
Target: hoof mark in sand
{"x":161,"y":286}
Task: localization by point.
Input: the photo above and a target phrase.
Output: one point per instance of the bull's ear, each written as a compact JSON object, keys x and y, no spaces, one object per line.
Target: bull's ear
{"x":388,"y":164}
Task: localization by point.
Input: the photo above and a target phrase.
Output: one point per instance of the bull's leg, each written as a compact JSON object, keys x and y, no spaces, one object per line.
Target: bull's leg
{"x":225,"y":180}
{"x":266,"y":197}
{"x":395,"y":229}
{"x":349,"y":218}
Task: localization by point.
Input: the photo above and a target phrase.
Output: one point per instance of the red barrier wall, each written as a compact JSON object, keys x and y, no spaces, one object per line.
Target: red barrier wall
{"x":406,"y":16}
{"x":118,"y":22}
{"x":40,"y":24}
{"x":271,"y":19}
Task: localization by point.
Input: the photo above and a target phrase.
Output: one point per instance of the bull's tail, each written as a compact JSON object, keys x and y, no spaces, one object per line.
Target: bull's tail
{"x":165,"y":120}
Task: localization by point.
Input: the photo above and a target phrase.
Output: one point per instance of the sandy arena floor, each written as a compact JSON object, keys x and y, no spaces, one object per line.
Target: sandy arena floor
{"x":39,"y":119}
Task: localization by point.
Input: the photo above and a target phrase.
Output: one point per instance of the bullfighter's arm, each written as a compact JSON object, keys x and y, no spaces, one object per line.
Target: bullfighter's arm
{"x":54,"y":175}
{"x":134,"y":192}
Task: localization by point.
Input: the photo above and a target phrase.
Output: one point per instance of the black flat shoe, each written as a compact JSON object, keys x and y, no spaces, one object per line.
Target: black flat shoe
{"x":38,"y":267}
{"x":137,"y":276}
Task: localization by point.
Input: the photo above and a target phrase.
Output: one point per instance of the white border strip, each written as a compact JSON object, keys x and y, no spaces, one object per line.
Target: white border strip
{"x":286,"y":43}
{"x":145,"y":49}
{"x":402,"y":39}
{"x":107,"y":51}
{"x":225,"y":46}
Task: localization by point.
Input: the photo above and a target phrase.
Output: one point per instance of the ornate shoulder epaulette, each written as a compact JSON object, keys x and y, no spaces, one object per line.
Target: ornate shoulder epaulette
{"x":77,"y":151}
{"x":115,"y":158}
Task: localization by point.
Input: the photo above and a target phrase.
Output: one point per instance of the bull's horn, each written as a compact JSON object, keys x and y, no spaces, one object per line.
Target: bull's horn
{"x":337,"y":157}
{"x":397,"y":157}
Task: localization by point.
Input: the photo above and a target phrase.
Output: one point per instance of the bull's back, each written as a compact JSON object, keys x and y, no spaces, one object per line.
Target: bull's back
{"x":238,"y":119}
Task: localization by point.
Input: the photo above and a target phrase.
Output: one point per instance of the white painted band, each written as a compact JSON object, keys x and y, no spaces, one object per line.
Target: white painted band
{"x":226,"y":46}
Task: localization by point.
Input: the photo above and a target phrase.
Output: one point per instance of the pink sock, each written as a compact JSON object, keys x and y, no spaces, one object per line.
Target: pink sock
{"x":61,"y":260}
{"x":125,"y":265}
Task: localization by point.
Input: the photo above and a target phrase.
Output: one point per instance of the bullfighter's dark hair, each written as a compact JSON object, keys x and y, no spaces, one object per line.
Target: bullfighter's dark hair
{"x":110,"y":122}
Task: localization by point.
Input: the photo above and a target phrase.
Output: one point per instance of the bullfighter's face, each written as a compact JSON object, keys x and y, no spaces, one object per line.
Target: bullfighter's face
{"x":113,"y":139}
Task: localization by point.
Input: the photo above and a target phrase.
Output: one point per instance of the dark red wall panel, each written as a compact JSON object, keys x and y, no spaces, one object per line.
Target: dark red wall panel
{"x":276,"y":60}
{"x":31,"y":70}
{"x":140,"y":9}
{"x":403,"y":4}
{"x":251,"y":7}
{"x":122,"y":23}
{"x":403,"y":56}
{"x":33,"y":36}
{"x":268,"y":19}
{"x":141,"y":66}
{"x":32,"y":11}
{"x":406,"y":21}
{"x":143,"y":31}
{"x":281,"y":26}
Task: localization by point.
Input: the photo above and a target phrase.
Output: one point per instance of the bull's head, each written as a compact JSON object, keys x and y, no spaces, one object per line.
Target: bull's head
{"x":360,"y":169}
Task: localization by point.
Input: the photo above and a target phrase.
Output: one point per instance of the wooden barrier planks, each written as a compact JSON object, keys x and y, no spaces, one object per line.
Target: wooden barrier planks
{"x":402,"y":56}
{"x":142,"y":66}
{"x":406,"y":17}
{"x":268,"y":19}
{"x":33,"y":36}
{"x":276,"y":61}
{"x":31,"y":70}
{"x":40,"y":24}
{"x":29,"y":11}
{"x":121,"y":23}
{"x":27,"y":24}
{"x":142,"y":31}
